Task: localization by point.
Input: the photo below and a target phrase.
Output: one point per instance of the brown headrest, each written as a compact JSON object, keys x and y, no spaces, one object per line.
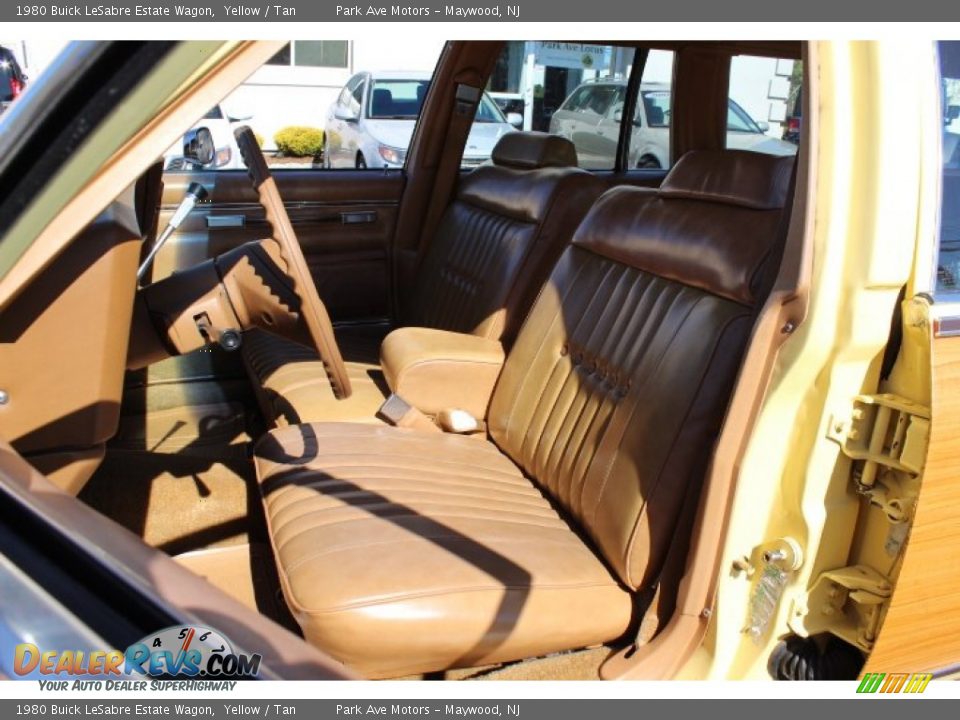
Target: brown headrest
{"x":735,"y":177}
{"x":719,"y":245}
{"x":532,"y":150}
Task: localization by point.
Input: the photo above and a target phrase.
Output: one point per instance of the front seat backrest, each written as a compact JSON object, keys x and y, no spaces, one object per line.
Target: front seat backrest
{"x":500,"y":236}
{"x":615,"y":390}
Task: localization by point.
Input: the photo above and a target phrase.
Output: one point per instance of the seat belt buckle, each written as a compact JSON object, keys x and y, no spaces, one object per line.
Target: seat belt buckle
{"x":458,"y":421}
{"x":399,"y":413}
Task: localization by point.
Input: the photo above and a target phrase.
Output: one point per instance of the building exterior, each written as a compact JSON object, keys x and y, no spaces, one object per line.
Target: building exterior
{"x":297,"y":86}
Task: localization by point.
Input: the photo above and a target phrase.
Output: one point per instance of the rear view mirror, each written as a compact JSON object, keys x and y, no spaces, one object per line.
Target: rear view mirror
{"x":198,"y":147}
{"x":515,"y":119}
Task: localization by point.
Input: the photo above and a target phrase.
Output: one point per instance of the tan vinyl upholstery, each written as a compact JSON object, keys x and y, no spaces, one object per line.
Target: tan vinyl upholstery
{"x":291,"y":384}
{"x":403,"y":552}
{"x":436,"y":370}
{"x":495,"y":245}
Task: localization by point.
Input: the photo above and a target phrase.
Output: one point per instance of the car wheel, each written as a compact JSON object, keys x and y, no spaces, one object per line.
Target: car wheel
{"x":361,"y":163}
{"x":649,"y":162}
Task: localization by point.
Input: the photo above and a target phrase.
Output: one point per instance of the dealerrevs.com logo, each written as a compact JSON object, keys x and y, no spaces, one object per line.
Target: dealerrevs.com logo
{"x":180,"y":651}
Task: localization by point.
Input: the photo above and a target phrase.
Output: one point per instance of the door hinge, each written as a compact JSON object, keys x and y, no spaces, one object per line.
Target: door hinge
{"x":848,"y":602}
{"x":886,"y":437}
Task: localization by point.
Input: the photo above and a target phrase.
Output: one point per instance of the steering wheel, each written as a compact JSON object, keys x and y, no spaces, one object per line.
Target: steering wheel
{"x":313,"y":311}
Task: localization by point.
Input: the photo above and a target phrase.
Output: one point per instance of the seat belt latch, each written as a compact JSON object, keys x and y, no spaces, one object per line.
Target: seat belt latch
{"x":398,"y":412}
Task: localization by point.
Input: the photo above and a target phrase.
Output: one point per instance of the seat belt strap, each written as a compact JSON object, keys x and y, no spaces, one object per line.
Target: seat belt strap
{"x":465,"y":104}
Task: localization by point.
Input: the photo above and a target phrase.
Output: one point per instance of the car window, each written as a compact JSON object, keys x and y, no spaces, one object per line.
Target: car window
{"x":656,"y":108}
{"x":738,"y":120}
{"x":12,"y":79}
{"x":8,"y":81}
{"x":580,"y":100}
{"x":650,"y":135}
{"x":575,"y":90}
{"x":397,"y":98}
{"x":764,"y":95}
{"x":309,"y":106}
{"x":354,"y":99}
{"x":488,"y":111}
{"x":948,"y":261}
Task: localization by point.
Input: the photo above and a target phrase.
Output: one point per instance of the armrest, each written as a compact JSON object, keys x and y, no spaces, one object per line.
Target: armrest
{"x":436,"y":370}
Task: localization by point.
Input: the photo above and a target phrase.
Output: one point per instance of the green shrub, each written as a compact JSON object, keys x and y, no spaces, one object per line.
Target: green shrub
{"x":297,"y":141}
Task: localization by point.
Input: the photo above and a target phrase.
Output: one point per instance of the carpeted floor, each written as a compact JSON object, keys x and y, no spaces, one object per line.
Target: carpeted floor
{"x":180,"y":478}
{"x":176,"y":503}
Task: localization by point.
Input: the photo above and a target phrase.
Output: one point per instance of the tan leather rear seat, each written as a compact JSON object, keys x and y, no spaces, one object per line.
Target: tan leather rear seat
{"x":496,"y":243}
{"x":402,"y":552}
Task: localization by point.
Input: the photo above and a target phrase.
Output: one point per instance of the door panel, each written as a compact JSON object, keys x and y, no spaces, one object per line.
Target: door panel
{"x":343,"y":220}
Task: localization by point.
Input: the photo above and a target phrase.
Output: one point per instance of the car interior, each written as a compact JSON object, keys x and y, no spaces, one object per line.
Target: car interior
{"x":442,"y":423}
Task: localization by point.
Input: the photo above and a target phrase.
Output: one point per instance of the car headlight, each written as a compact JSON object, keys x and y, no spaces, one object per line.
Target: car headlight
{"x":222,"y":157}
{"x":394,"y":156}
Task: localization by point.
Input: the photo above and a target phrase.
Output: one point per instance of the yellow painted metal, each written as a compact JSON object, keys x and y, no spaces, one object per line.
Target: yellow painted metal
{"x":847,"y":602}
{"x":871,"y":170}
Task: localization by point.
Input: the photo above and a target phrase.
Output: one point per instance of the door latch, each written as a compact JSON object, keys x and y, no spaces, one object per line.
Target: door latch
{"x":886,"y":437}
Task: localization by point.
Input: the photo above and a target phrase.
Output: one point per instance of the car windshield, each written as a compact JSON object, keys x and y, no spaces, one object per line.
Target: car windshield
{"x":488,"y":112}
{"x":397,"y":99}
{"x":593,"y":98}
{"x":739,"y":121}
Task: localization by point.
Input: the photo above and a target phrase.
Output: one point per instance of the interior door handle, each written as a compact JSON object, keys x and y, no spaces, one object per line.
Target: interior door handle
{"x":225,"y":221}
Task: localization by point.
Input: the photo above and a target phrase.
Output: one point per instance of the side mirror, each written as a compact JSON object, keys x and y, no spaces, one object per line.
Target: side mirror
{"x":953,"y":112}
{"x":198,"y":147}
{"x":618,"y":116}
{"x":237,"y":111}
{"x":342,"y":113}
{"x":764,"y":126}
{"x":515,"y":119}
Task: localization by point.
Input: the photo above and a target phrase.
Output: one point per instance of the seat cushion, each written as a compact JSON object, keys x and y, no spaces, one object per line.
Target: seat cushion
{"x":293,"y":387}
{"x":401,"y":552}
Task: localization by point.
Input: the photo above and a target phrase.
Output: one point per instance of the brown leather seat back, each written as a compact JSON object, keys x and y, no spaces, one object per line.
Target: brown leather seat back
{"x":501,"y":235}
{"x":617,"y":385}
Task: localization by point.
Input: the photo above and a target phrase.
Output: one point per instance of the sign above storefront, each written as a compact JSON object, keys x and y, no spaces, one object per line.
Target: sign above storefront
{"x":575,"y":56}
